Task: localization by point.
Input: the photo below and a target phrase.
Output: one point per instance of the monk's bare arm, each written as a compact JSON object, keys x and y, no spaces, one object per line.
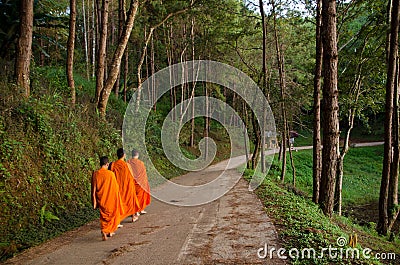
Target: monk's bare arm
{"x":93,"y":192}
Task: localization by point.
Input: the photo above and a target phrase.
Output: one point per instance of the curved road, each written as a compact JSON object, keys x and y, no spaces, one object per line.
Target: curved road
{"x":229,"y":230}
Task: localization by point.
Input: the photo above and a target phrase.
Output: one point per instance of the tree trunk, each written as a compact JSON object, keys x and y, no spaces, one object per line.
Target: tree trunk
{"x":94,"y":36}
{"x":117,"y":58}
{"x":193,"y":84}
{"x":330,"y":106}
{"x":264,"y":84}
{"x":393,"y":210}
{"x":254,"y":158}
{"x":126,"y":67}
{"x":24,"y":47}
{"x":121,"y":22}
{"x":317,"y":162}
{"x":85,"y":39}
{"x":383,"y":221}
{"x":71,"y":49}
{"x":282,"y":83}
{"x":206,"y":122}
{"x":153,"y":71}
{"x":101,"y":53}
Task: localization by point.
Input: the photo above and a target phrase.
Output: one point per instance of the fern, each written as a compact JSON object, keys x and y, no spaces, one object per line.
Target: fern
{"x":46,"y":215}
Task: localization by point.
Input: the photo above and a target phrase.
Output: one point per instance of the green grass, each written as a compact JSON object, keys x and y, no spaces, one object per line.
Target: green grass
{"x":301,"y":223}
{"x":361,"y":179}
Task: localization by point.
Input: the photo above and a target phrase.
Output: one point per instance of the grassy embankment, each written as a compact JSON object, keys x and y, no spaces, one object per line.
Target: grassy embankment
{"x":49,"y":149}
{"x":301,"y":223}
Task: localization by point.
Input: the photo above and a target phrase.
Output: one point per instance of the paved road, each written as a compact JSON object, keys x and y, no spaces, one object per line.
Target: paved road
{"x":229,"y":230}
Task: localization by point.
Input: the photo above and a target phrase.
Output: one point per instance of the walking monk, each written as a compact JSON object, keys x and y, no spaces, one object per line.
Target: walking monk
{"x":127,"y":187}
{"x":142,"y":183}
{"x":105,"y":196}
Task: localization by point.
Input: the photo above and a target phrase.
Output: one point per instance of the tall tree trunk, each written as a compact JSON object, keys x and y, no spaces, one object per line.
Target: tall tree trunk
{"x":71,"y":49}
{"x":383,"y":221}
{"x":282,"y":83}
{"x":264,"y":83}
{"x":317,"y":161}
{"x":117,"y":58}
{"x":393,"y":210}
{"x":126,"y":67}
{"x":153,"y":71}
{"x":94,"y":37}
{"x":330,"y":107}
{"x":193,"y":84}
{"x":85,"y":38}
{"x":206,"y":122}
{"x":121,"y":22}
{"x":101,"y":53}
{"x":24,"y":47}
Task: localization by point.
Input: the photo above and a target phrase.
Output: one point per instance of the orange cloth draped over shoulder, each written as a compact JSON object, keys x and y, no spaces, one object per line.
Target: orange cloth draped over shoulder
{"x":127,"y":187}
{"x":142,"y":183}
{"x":108,"y":199}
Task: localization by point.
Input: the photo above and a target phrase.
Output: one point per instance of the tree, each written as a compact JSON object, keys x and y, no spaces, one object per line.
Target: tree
{"x":330,"y":107}
{"x":383,"y":221}
{"x":117,"y":58}
{"x":24,"y":46}
{"x":71,"y":49}
{"x":101,"y":53}
{"x":317,"y":162}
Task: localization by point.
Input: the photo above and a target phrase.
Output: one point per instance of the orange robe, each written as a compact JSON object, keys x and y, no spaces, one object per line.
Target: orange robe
{"x":108,"y":199}
{"x":127,"y":187}
{"x":142,"y":187}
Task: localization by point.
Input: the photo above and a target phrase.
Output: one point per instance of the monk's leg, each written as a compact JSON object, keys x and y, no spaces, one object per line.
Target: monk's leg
{"x":104,"y":236}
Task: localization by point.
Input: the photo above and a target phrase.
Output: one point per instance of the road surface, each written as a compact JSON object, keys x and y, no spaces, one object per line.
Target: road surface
{"x":229,"y":230}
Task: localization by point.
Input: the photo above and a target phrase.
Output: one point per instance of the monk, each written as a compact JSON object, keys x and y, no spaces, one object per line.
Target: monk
{"x":105,"y":196}
{"x":142,"y":183}
{"x":127,"y":187}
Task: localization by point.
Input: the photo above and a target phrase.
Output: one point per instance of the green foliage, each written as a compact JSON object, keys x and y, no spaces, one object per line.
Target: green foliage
{"x":48,"y":152}
{"x":305,"y":225}
{"x":46,"y":216}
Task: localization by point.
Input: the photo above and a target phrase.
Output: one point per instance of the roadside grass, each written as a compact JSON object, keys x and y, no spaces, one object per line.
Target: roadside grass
{"x":300,"y":222}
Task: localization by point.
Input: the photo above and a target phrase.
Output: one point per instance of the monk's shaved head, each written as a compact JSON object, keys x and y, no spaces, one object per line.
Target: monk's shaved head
{"x":135,"y":153}
{"x":120,"y":153}
{"x":103,"y":161}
